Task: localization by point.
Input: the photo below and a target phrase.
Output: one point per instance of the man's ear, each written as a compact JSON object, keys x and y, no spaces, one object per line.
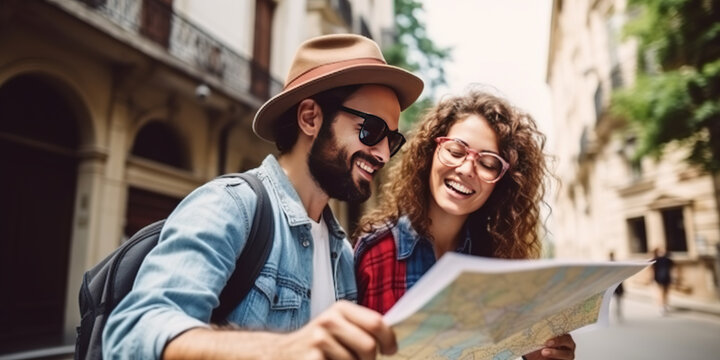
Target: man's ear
{"x":309,"y":117}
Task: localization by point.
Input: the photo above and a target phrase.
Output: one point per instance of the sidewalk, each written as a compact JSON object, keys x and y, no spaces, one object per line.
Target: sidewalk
{"x":676,"y":302}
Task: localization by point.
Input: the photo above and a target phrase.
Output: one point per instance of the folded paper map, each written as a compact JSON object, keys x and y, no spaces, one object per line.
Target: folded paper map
{"x":469,"y":307}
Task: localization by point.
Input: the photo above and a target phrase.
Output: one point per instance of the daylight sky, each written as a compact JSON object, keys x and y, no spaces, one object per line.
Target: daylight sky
{"x":502,"y":43}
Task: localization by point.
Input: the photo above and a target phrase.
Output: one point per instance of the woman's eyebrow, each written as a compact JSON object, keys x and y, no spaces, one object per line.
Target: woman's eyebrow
{"x":482,"y":150}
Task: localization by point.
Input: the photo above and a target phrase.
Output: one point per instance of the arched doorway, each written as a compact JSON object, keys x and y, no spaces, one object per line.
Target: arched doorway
{"x":39,"y":138}
{"x":159,"y":143}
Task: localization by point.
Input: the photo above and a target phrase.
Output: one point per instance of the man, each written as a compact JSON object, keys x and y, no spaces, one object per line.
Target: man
{"x":335,"y":125}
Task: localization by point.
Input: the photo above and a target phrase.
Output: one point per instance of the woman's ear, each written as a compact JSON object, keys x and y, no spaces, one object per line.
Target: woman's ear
{"x":309,"y":117}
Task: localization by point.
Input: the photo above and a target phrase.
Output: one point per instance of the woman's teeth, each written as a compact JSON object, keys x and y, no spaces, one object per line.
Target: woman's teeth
{"x":458,"y":187}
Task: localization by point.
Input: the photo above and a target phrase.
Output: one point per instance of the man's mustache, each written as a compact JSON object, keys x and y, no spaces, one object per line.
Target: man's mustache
{"x":369,"y":158}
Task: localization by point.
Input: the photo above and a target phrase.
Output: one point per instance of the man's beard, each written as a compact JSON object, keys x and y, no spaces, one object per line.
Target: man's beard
{"x":330,"y":169}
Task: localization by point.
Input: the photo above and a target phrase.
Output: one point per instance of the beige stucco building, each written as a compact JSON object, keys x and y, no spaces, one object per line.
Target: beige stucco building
{"x":111,"y":111}
{"x":604,"y":203}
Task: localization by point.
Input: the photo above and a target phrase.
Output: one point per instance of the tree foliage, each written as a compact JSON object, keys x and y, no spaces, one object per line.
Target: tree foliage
{"x":676,"y":96}
{"x":414,"y":51}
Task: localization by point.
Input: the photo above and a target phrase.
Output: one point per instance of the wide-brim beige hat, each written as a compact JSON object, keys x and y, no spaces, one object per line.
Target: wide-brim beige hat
{"x":331,"y":61}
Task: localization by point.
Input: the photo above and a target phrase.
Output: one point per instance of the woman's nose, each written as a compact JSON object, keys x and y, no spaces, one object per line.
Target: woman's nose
{"x":467,"y":167}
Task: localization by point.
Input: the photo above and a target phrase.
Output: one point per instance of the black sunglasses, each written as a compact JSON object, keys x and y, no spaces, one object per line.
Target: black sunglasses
{"x":374,"y":129}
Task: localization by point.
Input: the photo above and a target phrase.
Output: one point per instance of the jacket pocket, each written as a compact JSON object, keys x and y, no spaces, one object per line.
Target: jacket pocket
{"x":272,"y":304}
{"x":281,"y":294}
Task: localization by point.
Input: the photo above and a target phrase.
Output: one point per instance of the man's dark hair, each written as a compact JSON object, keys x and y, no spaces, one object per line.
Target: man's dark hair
{"x":286,"y":128}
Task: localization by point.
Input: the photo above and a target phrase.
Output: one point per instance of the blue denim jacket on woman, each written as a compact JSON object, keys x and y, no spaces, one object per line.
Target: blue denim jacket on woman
{"x":178,"y":284}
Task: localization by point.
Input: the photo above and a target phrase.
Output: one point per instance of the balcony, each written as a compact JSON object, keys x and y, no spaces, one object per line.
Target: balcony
{"x":183,"y":40}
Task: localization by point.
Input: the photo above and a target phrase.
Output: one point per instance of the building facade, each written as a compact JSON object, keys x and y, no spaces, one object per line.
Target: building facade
{"x":606,"y":202}
{"x":111,"y":111}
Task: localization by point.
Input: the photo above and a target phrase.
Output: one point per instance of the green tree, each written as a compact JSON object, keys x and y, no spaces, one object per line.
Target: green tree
{"x":415,"y":51}
{"x":676,"y":96}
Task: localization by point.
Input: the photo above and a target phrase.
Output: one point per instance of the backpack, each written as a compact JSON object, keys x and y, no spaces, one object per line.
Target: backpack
{"x":106,"y":283}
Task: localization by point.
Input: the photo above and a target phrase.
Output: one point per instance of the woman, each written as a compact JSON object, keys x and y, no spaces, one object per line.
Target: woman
{"x":471,"y":181}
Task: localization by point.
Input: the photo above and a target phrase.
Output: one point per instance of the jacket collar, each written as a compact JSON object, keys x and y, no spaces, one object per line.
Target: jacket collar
{"x":289,"y":200}
{"x":406,"y":239}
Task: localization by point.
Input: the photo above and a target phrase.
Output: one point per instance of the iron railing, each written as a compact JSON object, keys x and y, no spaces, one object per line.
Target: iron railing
{"x":184,"y":40}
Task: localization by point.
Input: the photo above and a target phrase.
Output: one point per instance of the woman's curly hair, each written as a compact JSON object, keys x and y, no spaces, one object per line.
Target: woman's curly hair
{"x":511,"y":215}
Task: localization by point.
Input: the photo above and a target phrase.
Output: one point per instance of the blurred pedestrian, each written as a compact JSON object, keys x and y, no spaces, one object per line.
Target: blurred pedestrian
{"x":619,"y":291}
{"x":662,"y":268}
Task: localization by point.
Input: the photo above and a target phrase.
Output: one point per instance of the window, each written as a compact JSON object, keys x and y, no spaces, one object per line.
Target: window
{"x":674,"y":225}
{"x":159,"y":142}
{"x":628,"y":150}
{"x":598,"y":99}
{"x":614,"y":27}
{"x":262,"y":43}
{"x":157,"y":20}
{"x":638,"y":236}
{"x":365,"y":29}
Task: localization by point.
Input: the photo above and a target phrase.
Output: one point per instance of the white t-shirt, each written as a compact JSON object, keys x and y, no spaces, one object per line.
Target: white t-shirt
{"x":322,"y":295}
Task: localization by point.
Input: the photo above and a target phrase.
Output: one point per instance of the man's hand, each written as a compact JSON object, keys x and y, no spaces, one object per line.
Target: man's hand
{"x":344,"y":331}
{"x":559,"y":348}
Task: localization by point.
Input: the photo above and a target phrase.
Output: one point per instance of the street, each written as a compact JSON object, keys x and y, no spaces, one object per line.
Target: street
{"x":644,"y":334}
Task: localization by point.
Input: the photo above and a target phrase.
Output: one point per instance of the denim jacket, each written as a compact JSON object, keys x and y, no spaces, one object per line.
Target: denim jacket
{"x":411,"y":248}
{"x":180,"y":280}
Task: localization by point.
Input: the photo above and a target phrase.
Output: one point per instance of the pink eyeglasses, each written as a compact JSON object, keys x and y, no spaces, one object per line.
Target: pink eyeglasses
{"x":489,"y":166}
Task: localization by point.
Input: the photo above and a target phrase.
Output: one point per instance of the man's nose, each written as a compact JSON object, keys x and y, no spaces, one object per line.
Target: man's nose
{"x":381,"y":151}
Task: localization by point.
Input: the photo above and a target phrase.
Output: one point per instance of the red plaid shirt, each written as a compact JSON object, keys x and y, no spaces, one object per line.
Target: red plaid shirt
{"x":391,"y":260}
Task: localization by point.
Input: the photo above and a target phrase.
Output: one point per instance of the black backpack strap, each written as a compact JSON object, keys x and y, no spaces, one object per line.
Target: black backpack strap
{"x":254,"y":254}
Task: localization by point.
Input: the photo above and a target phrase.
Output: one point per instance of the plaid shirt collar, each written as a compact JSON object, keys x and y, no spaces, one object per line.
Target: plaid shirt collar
{"x":390,"y":260}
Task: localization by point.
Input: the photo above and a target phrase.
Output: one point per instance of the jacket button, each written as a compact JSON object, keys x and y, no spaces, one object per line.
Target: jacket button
{"x":305,"y":243}
{"x":333,"y":255}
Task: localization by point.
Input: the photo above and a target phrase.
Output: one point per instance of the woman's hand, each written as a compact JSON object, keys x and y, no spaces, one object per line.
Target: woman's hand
{"x":558,"y":348}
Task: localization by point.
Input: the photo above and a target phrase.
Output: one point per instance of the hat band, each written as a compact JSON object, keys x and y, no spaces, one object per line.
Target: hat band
{"x":330,"y":68}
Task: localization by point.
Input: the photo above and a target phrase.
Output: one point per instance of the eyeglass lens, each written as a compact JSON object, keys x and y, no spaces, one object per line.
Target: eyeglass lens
{"x":487,"y":166}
